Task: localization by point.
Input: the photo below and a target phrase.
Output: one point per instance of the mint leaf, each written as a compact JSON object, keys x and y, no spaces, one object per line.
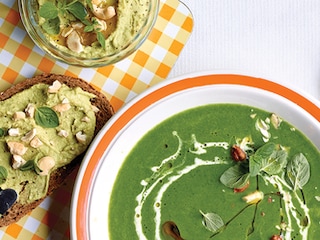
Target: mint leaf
{"x":101,"y":40}
{"x":52,"y":26}
{"x":78,"y":10}
{"x":276,"y":163}
{"x":256,"y":161}
{"x":212,"y":221}
{"x":298,"y":171}
{"x":236,"y":176}
{"x":46,"y":117}
{"x":89,"y":28}
{"x":268,"y":159}
{"x":48,"y":11}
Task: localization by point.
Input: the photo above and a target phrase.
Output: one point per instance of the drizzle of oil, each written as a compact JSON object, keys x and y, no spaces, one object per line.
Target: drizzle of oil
{"x":171,"y":229}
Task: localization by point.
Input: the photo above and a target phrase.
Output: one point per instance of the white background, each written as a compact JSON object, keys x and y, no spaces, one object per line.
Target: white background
{"x":274,"y":39}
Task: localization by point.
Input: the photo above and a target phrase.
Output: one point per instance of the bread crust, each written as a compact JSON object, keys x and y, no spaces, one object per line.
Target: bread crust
{"x":18,"y":210}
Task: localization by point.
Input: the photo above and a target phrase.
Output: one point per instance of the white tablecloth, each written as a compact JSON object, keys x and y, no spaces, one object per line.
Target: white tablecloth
{"x":272,"y":39}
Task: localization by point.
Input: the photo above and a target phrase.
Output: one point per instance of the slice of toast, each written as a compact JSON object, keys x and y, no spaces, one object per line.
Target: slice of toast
{"x":57,"y":177}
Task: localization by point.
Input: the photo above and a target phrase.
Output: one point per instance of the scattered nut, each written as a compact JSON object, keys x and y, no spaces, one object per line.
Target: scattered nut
{"x":66,"y":31}
{"x":13,"y":132}
{"x":74,"y":42}
{"x":96,"y":2}
{"x":276,"y":237}
{"x":242,"y":189}
{"x":171,"y":230}
{"x":253,"y":115}
{"x":85,"y":119}
{"x":77,"y":25}
{"x":238,"y":154}
{"x":19,"y":115}
{"x":101,"y":26}
{"x":65,"y":100}
{"x":62,"y":107}
{"x":104,"y":13}
{"x":17,"y":161}
{"x":254,"y":197}
{"x":30,"y":110}
{"x":29,"y":135}
{"x":95,"y":108}
{"x":54,"y":88}
{"x":81,"y":137}
{"x":17,"y":148}
{"x":263,"y":127}
{"x":46,"y":164}
{"x":275,"y":120}
{"x":63,"y":133}
{"x":36,"y":142}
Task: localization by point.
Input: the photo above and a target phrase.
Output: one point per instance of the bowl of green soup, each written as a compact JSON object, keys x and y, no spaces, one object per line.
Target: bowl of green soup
{"x":204,"y":156}
{"x":89,"y":33}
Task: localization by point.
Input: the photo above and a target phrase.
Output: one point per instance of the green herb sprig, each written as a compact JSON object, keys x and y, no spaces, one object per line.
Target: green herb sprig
{"x":268,"y":161}
{"x":51,"y":12}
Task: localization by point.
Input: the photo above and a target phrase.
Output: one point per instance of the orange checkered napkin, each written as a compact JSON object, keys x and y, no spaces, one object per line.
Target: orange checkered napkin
{"x":20,"y":58}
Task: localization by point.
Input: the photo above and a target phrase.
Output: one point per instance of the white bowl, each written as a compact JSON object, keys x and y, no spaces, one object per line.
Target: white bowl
{"x":89,"y":214}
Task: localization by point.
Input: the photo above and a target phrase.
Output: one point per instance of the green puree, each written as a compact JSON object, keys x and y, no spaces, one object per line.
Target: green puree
{"x":177,"y":172}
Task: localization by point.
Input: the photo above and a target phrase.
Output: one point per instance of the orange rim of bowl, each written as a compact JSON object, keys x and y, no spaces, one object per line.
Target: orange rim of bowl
{"x":81,"y":221}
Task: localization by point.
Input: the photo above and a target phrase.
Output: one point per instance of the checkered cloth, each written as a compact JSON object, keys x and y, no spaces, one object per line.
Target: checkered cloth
{"x":20,"y":58}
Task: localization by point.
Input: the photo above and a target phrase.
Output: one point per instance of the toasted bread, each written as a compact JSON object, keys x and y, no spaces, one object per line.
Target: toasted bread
{"x":57,"y":177}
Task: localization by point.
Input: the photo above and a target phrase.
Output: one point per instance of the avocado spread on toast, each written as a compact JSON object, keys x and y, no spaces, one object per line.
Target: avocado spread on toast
{"x":42,"y":128}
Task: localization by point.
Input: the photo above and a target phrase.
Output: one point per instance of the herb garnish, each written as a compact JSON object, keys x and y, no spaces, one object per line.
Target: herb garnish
{"x":212,"y":221}
{"x":51,"y":12}
{"x":46,"y":117}
{"x":3,"y":174}
{"x":298,"y":171}
{"x":270,"y":162}
{"x":236,"y":176}
{"x":30,"y":165}
{"x":269,"y":159}
{"x":2,"y":132}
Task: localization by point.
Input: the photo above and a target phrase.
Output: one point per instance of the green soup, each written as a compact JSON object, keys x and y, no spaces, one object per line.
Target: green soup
{"x":181,"y":179}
